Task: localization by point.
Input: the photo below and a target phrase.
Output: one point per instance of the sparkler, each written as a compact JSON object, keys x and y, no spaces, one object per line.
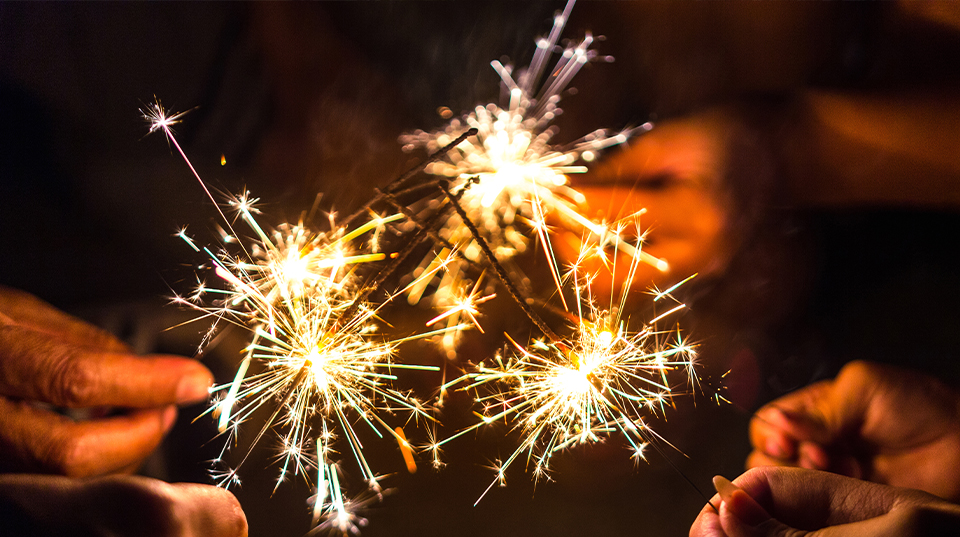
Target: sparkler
{"x":316,"y":339}
{"x":316,"y":357}
{"x":325,"y":369}
{"x":603,"y":379}
{"x":521,"y":179}
{"x":333,"y":512}
{"x":564,"y":392}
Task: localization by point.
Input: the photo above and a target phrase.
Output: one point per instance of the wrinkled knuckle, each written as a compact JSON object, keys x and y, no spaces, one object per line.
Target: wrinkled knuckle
{"x":755,"y":470}
{"x":771,"y":474}
{"x":72,"y":383}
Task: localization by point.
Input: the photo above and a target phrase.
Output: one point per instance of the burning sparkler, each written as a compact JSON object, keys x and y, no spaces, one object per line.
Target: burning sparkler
{"x":316,"y":358}
{"x":324,"y":368}
{"x":521,"y":179}
{"x":601,"y":380}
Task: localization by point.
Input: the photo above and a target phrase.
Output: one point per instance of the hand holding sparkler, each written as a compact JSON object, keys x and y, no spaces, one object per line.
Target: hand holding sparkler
{"x":50,"y":358}
{"x":772,"y":501}
{"x":873,"y":422}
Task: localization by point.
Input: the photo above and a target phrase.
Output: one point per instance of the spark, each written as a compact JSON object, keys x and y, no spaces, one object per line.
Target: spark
{"x":332,"y":511}
{"x":466,"y":305}
{"x":160,"y":120}
{"x":155,"y":114}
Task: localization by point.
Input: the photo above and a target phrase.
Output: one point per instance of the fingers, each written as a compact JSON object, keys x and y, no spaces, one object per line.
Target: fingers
{"x":690,"y":243}
{"x":36,"y":440}
{"x":740,"y":515}
{"x":37,"y":367}
{"x":737,"y":515}
{"x":677,"y":215}
{"x":673,"y":174}
{"x":794,"y":430}
{"x":690,"y":150}
{"x":812,"y":457}
{"x":119,"y":505}
{"x":29,"y":311}
{"x":799,"y":438}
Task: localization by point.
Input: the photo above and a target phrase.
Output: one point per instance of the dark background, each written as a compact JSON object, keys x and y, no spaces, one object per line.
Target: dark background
{"x":301,"y":98}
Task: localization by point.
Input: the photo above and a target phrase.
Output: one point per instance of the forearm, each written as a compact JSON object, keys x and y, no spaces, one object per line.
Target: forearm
{"x":895,"y":149}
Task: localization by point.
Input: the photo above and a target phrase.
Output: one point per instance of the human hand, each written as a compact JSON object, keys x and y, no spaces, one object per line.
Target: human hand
{"x":792,"y":501}
{"x":873,"y":422}
{"x":675,"y":174}
{"x":37,"y":505}
{"x":49,"y":358}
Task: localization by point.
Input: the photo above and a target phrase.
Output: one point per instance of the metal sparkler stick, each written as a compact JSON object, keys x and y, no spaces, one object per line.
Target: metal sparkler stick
{"x":395,"y":185}
{"x":492,"y":259}
{"x":392,"y":200}
{"x":398,"y":259}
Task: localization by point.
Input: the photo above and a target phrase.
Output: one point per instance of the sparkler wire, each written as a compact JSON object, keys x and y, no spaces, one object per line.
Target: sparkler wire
{"x":684,"y":476}
{"x":394,"y":185}
{"x":398,"y":182}
{"x":392,"y":201}
{"x":399,"y":258}
{"x":427,"y":186}
{"x":498,"y":268}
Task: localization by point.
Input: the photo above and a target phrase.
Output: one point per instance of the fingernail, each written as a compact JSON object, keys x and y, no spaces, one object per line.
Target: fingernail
{"x":194,"y":388}
{"x":724,"y":487}
{"x":744,"y":507}
{"x":168,"y":417}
